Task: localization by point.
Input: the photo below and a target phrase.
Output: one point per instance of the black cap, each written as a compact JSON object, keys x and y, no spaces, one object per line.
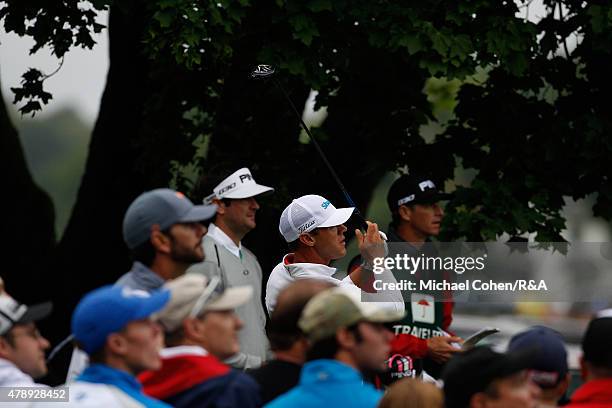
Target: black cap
{"x":597,"y":340}
{"x":550,"y":365}
{"x":12,"y":313}
{"x":473,"y":371}
{"x":414,"y":189}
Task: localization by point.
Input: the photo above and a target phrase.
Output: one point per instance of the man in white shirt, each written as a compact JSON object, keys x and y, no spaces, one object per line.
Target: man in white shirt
{"x":314,"y":230}
{"x":235,"y":265}
{"x":22,"y":347}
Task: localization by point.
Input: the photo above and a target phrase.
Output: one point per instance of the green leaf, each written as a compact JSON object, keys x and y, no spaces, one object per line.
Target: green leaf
{"x":411,"y":42}
{"x":319,"y":5}
{"x":165,"y":18}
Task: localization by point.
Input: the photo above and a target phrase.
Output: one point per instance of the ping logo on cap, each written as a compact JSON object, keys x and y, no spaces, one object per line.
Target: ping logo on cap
{"x":245,"y":176}
{"x":425,"y":184}
{"x":325,"y":204}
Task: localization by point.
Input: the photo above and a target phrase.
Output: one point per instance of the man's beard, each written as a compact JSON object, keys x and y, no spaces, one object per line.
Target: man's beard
{"x":185,"y":255}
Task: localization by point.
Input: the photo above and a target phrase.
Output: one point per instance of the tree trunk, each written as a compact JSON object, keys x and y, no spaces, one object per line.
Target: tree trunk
{"x":28,"y":225}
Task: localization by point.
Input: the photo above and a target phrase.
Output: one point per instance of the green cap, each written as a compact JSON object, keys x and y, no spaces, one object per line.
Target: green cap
{"x":341,"y":307}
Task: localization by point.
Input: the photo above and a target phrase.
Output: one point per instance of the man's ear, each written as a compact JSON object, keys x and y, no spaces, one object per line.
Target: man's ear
{"x":159,"y":240}
{"x":116,"y":343}
{"x":478,"y":400}
{"x":345,"y":338}
{"x":5,"y":347}
{"x":404,"y":212}
{"x":307,"y":239}
{"x":221,"y":207}
{"x":192,"y":328}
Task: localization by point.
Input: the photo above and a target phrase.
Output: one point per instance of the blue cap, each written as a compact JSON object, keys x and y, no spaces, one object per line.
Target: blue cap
{"x":163,"y":207}
{"x":109,"y":309}
{"x":550,"y":363}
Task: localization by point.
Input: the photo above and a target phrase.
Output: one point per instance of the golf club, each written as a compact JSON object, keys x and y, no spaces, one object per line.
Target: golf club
{"x":266,"y":72}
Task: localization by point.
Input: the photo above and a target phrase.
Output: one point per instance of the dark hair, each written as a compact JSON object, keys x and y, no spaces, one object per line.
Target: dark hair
{"x":97,"y":357}
{"x":144,"y":253}
{"x":282,"y":329}
{"x":10,"y":339}
{"x":395,"y":218}
{"x":327,"y":348}
{"x":174,"y":338}
{"x":294,"y":245}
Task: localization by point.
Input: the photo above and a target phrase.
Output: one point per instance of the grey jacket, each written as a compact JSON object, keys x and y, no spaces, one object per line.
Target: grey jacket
{"x":141,"y":277}
{"x":254,"y":346}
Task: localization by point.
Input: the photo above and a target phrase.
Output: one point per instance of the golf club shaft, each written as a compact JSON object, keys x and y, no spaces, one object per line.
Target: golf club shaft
{"x":350,"y":201}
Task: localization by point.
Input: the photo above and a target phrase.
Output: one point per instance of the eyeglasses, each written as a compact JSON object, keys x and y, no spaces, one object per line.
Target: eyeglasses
{"x":206,"y":294}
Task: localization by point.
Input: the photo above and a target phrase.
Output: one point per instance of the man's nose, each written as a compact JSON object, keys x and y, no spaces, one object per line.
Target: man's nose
{"x":44,"y":343}
{"x":438,"y":210}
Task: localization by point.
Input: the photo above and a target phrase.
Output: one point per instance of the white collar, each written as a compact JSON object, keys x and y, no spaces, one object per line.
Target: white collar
{"x":304,"y":270}
{"x":171,"y":352}
{"x":10,"y":374}
{"x":223,"y":239}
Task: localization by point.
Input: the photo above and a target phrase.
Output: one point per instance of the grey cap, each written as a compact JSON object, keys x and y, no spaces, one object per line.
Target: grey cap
{"x":163,"y":207}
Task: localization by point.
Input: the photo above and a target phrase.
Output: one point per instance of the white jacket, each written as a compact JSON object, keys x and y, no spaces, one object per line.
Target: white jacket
{"x":12,"y":376}
{"x":284,"y":273}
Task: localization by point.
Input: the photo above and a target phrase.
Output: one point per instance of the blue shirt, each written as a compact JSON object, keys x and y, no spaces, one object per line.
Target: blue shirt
{"x":329,"y":383}
{"x":103,"y":374}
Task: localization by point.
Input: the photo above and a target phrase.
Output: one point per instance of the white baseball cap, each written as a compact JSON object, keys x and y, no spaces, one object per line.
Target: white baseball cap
{"x":309,"y":212}
{"x":240,"y":184}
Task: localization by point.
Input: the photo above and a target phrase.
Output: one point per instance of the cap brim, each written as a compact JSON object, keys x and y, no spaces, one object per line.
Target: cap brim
{"x":231,"y":299}
{"x":36,"y":312}
{"x":340,"y":216}
{"x":199,"y":213}
{"x":154,"y":303}
{"x":250,"y":190}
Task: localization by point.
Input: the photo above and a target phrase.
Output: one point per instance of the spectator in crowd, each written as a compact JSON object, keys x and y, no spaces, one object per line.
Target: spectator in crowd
{"x":596,"y":364}
{"x":416,"y":217}
{"x":347,"y":338}
{"x":481,"y":377}
{"x":411,"y":393}
{"x":314,"y":230}
{"x":287,"y":340}
{"x":112,"y":325}
{"x":548,"y":369}
{"x":201,"y":328}
{"x":22,"y":347}
{"x":163,"y":231}
{"x":228,"y":259}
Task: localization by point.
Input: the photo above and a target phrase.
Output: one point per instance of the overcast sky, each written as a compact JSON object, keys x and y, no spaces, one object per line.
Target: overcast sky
{"x":80,"y":82}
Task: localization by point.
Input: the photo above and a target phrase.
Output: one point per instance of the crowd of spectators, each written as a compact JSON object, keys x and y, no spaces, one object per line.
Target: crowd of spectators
{"x":186,"y":326}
